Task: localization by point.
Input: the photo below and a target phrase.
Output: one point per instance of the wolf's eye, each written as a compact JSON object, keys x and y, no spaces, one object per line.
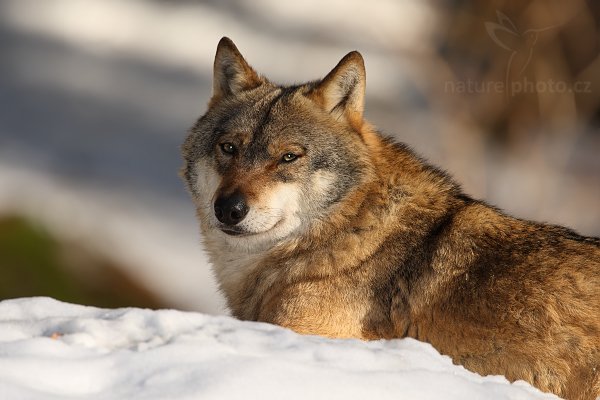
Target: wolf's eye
{"x":289,"y":157}
{"x":228,"y":148}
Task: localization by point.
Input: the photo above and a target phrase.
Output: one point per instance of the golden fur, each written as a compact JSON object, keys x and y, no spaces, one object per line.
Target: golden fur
{"x":404,"y":253}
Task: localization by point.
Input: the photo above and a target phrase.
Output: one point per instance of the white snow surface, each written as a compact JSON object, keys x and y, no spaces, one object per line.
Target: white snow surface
{"x":55,"y":350}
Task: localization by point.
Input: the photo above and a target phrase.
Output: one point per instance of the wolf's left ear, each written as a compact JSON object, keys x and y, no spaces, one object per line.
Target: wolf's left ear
{"x":342,"y":91}
{"x":232,"y":74}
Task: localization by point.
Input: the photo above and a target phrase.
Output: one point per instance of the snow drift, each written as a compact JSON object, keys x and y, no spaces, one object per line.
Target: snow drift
{"x":54,"y":350}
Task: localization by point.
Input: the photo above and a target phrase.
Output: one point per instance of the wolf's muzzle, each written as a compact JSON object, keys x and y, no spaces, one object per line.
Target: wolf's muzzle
{"x":231,"y":210}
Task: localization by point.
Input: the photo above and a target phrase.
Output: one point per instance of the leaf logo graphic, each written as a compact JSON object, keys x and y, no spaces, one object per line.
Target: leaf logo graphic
{"x":520,"y":44}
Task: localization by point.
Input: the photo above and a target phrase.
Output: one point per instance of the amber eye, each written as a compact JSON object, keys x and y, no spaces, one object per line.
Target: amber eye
{"x":228,"y":148}
{"x":289,"y":157}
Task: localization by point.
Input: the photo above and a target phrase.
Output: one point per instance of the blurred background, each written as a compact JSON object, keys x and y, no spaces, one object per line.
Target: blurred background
{"x":96,"y":97}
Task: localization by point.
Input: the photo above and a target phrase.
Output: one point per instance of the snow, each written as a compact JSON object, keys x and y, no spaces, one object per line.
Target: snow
{"x":54,"y":350}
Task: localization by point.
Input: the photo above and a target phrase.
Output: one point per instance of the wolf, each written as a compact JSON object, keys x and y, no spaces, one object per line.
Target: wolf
{"x":315,"y":221}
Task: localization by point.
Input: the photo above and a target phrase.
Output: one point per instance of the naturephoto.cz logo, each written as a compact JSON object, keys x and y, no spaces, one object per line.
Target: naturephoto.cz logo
{"x":520,"y":46}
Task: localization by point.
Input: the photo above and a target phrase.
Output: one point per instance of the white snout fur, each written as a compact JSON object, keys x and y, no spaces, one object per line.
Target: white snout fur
{"x":274,"y":216}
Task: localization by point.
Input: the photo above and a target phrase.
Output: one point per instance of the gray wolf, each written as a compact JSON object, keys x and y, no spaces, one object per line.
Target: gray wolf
{"x":315,"y":221}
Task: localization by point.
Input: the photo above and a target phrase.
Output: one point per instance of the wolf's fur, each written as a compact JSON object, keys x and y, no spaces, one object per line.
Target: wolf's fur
{"x":359,"y":237}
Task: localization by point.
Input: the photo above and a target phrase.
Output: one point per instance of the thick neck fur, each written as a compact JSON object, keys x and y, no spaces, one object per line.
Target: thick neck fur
{"x":329,"y":246}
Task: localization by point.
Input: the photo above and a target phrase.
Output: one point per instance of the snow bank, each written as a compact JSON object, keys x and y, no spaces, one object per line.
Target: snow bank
{"x":54,"y":350}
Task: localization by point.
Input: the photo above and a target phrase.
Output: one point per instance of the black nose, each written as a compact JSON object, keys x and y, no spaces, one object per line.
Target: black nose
{"x":232,"y":209}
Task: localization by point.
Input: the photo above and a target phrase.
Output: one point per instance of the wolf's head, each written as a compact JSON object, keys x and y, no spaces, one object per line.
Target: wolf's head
{"x":266,"y":161}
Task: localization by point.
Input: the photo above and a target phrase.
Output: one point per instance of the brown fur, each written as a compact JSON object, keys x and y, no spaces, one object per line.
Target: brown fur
{"x":406,"y":254}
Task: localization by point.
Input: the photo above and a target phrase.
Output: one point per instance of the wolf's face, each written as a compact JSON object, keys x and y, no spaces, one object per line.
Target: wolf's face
{"x":266,"y":161}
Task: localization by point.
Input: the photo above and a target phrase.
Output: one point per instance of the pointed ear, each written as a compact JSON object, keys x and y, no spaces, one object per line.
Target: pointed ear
{"x":342,"y":91}
{"x":232,"y":74}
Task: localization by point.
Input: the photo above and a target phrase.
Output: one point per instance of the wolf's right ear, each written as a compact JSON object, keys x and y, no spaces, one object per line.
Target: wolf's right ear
{"x":342,"y":91}
{"x":232,"y":74}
